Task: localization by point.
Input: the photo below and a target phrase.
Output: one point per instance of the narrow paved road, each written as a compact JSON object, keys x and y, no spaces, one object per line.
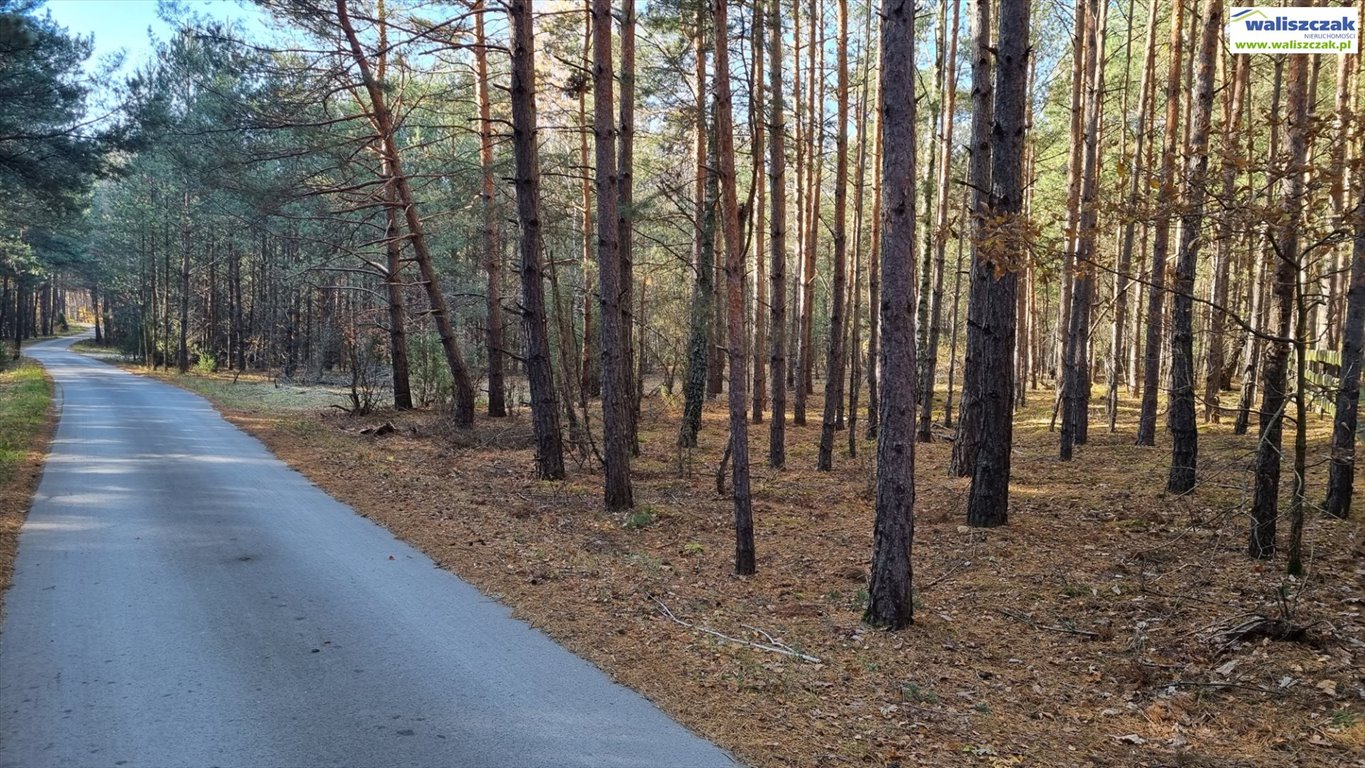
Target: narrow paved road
{"x":183,"y":598}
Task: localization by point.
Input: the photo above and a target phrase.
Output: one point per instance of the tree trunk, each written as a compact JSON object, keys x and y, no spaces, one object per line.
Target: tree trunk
{"x":874,"y":276}
{"x":969,"y":430}
{"x":815,"y":135}
{"x":758,"y":99}
{"x":929,"y":363}
{"x":612,"y":317}
{"x":94,"y":308}
{"x":1285,"y":255}
{"x":1259,"y":270}
{"x":855,"y":372}
{"x":182,"y":358}
{"x":988,"y":500}
{"x":834,"y":367}
{"x":1184,"y":430}
{"x":393,"y":284}
{"x":1075,"y":406}
{"x":383,"y":124}
{"x":1156,"y":290}
{"x":703,"y":257}
{"x":1345,"y":423}
{"x":1222,"y":270}
{"x":734,"y":284}
{"x":492,"y":230}
{"x":1118,"y":348}
{"x":890,"y":601}
{"x":544,"y":409}
{"x":626,"y":209}
{"x":777,"y":270}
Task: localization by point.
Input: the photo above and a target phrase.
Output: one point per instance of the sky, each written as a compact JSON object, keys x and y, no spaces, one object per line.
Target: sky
{"x":123,"y":25}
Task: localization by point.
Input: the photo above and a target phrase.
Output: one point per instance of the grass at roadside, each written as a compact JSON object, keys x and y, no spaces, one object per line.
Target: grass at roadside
{"x":26,"y":422}
{"x":249,"y":392}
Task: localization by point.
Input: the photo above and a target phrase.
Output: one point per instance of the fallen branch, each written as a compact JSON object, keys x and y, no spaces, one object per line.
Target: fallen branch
{"x":942,"y":577}
{"x":772,"y":645}
{"x":1203,"y":684}
{"x":1048,"y":627}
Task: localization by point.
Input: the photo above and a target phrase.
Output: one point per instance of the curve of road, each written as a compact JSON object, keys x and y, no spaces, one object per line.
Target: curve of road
{"x":183,"y":598}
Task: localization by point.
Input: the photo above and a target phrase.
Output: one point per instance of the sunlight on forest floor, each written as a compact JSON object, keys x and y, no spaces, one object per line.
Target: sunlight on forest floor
{"x":1092,"y":631}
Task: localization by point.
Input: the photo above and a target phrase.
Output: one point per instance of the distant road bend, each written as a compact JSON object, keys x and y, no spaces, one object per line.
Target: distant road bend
{"x":183,"y":598}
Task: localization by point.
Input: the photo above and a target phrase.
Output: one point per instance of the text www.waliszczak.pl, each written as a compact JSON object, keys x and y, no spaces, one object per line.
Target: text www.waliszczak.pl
{"x":1290,"y":46}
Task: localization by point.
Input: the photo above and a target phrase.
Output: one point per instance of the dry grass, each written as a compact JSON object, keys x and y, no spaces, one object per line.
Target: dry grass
{"x":1084,"y":633}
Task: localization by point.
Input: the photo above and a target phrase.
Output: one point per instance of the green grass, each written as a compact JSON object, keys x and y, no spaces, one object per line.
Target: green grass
{"x":24,"y":399}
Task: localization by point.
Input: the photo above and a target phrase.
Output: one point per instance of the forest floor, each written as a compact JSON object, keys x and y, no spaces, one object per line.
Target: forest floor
{"x":27,"y":420}
{"x":1108,"y":625}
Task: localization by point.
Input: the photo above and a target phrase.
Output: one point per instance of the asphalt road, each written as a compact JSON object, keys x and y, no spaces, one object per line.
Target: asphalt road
{"x":183,"y":598}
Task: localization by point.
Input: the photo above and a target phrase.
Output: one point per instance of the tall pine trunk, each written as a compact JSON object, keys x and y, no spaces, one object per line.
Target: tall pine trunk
{"x":544,"y":409}
{"x":1184,"y":430}
{"x":492,"y":229}
{"x":1075,"y":407}
{"x":988,"y":499}
{"x":703,"y":254}
{"x":943,"y":185}
{"x":612,"y":317}
{"x":383,"y":124}
{"x":1345,"y":423}
{"x":1156,"y":290}
{"x":969,"y":434}
{"x":1119,"y":340}
{"x":777,"y":269}
{"x":1215,"y":357}
{"x":890,"y":601}
{"x":734,"y":299}
{"x":1284,"y":254}
{"x":834,"y":367}
{"x":626,"y":211}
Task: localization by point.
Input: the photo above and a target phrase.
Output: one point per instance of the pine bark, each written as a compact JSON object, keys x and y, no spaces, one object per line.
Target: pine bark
{"x":612,"y":319}
{"x":393,"y":284}
{"x":1118,"y":348}
{"x":1285,"y":256}
{"x":734,"y":300}
{"x":988,"y":498}
{"x":544,"y":409}
{"x":969,"y":429}
{"x":777,"y":269}
{"x":943,"y":185}
{"x":1184,"y":430}
{"x":890,"y":601}
{"x":492,"y":230}
{"x":834,"y":367}
{"x":626,"y":210}
{"x":758,"y":99}
{"x":703,"y":255}
{"x":1156,"y":290}
{"x":1346,"y":419}
{"x":1075,"y":407}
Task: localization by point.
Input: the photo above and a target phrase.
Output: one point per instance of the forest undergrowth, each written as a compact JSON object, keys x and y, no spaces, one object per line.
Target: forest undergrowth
{"x":1109,"y":624}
